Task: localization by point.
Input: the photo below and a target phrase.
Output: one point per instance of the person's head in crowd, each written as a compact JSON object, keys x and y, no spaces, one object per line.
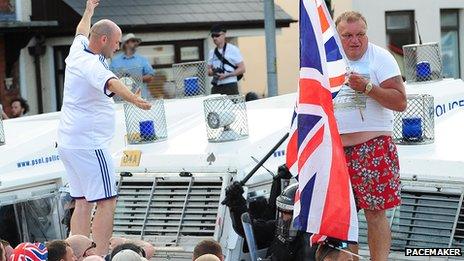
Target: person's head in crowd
{"x":326,"y":252}
{"x":93,"y":258}
{"x":208,"y":247}
{"x":352,"y":28}
{"x":218,"y":33}
{"x":128,"y":246}
{"x":19,"y":107}
{"x":2,"y":253}
{"x":7,"y":248}
{"x":30,"y":251}
{"x":60,"y":250}
{"x":82,"y":246}
{"x":130,"y":43}
{"x":251,"y":96}
{"x":147,"y":247}
{"x":127,"y":255}
{"x":208,"y":257}
{"x":116,"y":241}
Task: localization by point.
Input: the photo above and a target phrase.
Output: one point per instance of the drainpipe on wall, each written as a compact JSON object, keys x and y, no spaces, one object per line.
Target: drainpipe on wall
{"x":38,"y":50}
{"x":271,"y":56}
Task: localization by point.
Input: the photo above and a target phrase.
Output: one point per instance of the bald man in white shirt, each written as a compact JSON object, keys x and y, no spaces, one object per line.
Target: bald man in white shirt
{"x":87,"y":125}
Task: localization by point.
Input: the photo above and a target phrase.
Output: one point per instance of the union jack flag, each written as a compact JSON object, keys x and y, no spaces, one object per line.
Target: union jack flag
{"x":30,"y":252}
{"x":324,"y":203}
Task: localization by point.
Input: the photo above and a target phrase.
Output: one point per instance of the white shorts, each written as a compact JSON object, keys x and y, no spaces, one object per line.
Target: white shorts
{"x":90,"y":173}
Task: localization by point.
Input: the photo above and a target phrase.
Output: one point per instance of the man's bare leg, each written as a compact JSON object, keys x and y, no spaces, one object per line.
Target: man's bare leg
{"x":80,"y":220}
{"x":378,"y":234}
{"x":102,"y":226}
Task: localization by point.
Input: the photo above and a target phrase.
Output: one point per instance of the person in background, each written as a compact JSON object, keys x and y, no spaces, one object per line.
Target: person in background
{"x":127,"y":246}
{"x":82,"y":246}
{"x":251,"y":96}
{"x":208,"y":257}
{"x":148,"y":248}
{"x":7,"y":247}
{"x":225,"y":63}
{"x":128,"y":255}
{"x":94,"y":258}
{"x":208,"y":247}
{"x":60,"y":250}
{"x":133,"y":64}
{"x":2,"y":253}
{"x":18,"y":108}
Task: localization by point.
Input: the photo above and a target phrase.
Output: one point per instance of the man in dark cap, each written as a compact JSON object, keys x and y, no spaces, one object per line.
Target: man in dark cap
{"x":225,"y":63}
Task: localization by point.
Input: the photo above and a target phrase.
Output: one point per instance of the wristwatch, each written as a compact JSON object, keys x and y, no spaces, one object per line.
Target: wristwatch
{"x":368,"y":89}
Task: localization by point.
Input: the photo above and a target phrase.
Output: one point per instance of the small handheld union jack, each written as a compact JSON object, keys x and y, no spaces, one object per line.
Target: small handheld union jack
{"x":30,"y":252}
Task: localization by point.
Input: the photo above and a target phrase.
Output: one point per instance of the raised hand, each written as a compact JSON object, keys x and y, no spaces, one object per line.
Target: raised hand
{"x":357,"y":82}
{"x":91,"y":4}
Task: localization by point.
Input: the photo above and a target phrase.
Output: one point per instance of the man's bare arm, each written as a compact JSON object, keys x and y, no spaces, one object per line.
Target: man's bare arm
{"x":116,"y":86}
{"x":391,"y":93}
{"x":84,"y":25}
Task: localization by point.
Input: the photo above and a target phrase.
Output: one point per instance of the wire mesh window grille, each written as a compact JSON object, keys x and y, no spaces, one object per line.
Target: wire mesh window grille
{"x":145,"y":126}
{"x":422,"y":62}
{"x":191,"y":79}
{"x":2,"y":132}
{"x":415,"y":125}
{"x":226,"y":118}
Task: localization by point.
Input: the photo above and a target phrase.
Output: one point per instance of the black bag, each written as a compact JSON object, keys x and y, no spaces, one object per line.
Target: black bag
{"x":225,"y":61}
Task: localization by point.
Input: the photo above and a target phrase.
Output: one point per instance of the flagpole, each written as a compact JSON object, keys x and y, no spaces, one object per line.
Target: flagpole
{"x":271,"y":152}
{"x":271,"y":57}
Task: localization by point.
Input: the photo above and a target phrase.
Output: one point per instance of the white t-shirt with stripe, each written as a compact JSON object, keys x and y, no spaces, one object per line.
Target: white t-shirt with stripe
{"x":87,"y":115}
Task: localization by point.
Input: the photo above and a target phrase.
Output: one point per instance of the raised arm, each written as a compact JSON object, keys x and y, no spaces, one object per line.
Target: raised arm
{"x":84,"y":25}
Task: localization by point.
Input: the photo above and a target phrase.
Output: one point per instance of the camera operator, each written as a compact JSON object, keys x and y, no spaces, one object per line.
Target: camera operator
{"x":225,"y":64}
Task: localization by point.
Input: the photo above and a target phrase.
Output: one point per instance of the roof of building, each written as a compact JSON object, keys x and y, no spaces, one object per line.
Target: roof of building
{"x":188,"y":13}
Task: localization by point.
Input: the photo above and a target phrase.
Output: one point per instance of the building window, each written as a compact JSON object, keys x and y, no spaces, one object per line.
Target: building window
{"x":60,"y":54}
{"x":450,"y":43}
{"x":400,"y":31}
{"x":162,"y":55}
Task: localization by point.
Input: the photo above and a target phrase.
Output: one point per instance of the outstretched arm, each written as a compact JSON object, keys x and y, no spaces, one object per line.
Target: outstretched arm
{"x":84,"y":25}
{"x":116,"y":86}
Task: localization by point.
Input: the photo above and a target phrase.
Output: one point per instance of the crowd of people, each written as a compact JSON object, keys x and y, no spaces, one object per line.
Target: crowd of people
{"x":82,"y":248}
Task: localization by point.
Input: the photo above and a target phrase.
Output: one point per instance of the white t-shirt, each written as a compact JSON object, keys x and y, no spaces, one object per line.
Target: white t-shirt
{"x":358,"y":112}
{"x":232,"y":54}
{"x":87,"y":115}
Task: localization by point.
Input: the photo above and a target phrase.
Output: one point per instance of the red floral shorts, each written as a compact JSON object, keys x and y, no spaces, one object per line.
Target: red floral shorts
{"x":374,"y":171}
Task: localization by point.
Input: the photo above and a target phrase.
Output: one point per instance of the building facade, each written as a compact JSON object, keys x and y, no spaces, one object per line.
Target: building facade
{"x":36,"y":34}
{"x":391,"y":24}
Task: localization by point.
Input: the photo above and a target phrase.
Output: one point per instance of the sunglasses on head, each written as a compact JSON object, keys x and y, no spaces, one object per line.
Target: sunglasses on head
{"x":93,"y":245}
{"x":215,"y":35}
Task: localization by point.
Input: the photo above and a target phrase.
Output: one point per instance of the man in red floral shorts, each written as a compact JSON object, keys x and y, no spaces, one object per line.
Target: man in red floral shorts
{"x":364,"y":112}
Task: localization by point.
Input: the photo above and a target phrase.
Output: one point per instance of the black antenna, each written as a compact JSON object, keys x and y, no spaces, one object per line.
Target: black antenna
{"x":418,"y":33}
